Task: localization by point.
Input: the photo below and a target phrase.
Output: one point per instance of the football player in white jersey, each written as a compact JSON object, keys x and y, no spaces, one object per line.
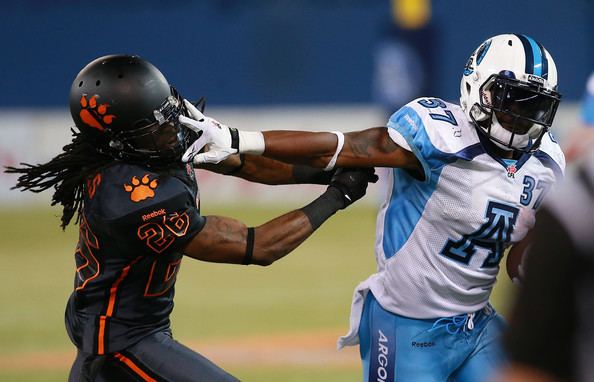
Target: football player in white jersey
{"x":465,"y":183}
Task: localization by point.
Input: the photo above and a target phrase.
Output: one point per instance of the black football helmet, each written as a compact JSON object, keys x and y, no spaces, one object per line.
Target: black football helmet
{"x":126,"y":107}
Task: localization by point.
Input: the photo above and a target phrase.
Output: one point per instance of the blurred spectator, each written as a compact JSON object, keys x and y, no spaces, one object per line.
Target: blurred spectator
{"x":551,"y":334}
{"x":588,"y":103}
{"x":403,"y":56}
{"x":582,"y":139}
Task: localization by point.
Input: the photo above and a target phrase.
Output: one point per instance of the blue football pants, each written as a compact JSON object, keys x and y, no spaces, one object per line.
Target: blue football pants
{"x":462,"y":348}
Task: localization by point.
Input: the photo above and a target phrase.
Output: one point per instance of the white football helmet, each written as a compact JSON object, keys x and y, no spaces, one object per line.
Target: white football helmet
{"x":509,"y":91}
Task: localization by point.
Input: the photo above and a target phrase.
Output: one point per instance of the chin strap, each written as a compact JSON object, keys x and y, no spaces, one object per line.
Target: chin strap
{"x":499,"y":135}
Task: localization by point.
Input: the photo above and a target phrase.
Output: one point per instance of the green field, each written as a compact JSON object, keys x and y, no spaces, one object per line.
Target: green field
{"x":307,"y":293}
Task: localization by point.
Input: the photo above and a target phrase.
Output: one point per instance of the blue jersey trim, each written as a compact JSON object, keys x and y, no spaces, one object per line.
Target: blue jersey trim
{"x":409,"y":195}
{"x":549,"y":162}
{"x":407,"y":203}
{"x":486,"y":144}
{"x":510,"y":162}
{"x":470,"y":152}
{"x":410,"y":131}
{"x":409,"y":124}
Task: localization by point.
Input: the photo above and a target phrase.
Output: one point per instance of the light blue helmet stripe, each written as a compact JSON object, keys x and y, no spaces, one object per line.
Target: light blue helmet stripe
{"x":537,"y":56}
{"x":536,"y":59}
{"x":545,"y":61}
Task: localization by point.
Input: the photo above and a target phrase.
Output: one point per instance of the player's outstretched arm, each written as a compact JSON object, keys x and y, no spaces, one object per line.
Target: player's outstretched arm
{"x":367,"y":148}
{"x":260,"y":169}
{"x":227,"y":240}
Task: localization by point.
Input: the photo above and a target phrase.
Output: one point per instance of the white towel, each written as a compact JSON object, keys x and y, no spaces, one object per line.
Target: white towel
{"x":352,"y":337}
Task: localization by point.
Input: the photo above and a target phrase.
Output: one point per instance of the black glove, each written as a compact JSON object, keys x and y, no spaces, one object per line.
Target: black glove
{"x":352,"y":183}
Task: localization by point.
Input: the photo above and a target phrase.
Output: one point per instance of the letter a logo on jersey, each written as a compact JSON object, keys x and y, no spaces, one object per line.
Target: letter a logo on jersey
{"x":493,"y":235}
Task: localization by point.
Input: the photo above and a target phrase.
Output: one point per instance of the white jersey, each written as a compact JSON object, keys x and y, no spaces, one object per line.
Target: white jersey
{"x":440,"y":240}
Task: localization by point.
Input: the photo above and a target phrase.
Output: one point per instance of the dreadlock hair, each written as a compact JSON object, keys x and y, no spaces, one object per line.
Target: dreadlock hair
{"x":67,"y":173}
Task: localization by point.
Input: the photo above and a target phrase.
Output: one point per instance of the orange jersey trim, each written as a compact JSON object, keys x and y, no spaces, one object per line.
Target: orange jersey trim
{"x":172,"y":269}
{"x":89,"y":242}
{"x":110,"y":307}
{"x":128,"y":362}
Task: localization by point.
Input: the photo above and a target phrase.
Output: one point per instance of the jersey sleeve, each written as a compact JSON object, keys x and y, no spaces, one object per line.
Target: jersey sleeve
{"x":156,"y":215}
{"x":169,"y":224}
{"x":430,"y":129}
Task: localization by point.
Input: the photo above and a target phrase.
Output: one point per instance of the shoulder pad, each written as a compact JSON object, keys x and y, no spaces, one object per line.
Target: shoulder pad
{"x":550,"y":154}
{"x":437,"y":132}
{"x":133,"y":190}
{"x":444,"y":124}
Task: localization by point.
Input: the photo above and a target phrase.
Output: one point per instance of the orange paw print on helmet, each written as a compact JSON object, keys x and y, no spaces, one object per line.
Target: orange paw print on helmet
{"x":141,"y":189}
{"x":93,"y":114}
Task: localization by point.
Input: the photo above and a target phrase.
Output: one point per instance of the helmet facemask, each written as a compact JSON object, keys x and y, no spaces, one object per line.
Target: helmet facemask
{"x":509,"y":91}
{"x":126,"y":108}
{"x":518,"y":113}
{"x":159,"y":141}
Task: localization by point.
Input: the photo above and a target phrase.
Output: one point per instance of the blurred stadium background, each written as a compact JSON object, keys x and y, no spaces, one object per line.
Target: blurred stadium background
{"x":262,"y":64}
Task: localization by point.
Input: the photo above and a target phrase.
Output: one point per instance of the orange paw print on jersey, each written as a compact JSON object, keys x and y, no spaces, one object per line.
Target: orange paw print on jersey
{"x":141,"y":189}
{"x":93,"y":114}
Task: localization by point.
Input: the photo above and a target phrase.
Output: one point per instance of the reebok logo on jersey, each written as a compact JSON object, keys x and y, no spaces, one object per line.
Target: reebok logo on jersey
{"x":415,"y":344}
{"x":141,"y":189}
{"x":154,"y":214}
{"x":411,"y":122}
{"x":382,"y":357}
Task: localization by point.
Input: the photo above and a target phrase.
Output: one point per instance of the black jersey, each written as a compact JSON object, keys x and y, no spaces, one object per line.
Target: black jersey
{"x":134,"y":226}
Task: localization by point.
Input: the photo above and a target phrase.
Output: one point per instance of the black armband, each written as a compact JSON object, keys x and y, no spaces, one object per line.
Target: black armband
{"x":323,"y":207}
{"x":239,"y":167}
{"x":234,"y":138}
{"x":309,"y":175}
{"x":249,"y":247}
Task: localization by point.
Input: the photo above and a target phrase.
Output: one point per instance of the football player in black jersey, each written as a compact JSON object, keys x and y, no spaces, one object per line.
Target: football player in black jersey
{"x":135,"y":203}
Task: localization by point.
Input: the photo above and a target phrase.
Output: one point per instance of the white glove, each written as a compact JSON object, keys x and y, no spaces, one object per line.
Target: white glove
{"x":222,"y":140}
{"x":213,"y":133}
{"x":525,"y":222}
